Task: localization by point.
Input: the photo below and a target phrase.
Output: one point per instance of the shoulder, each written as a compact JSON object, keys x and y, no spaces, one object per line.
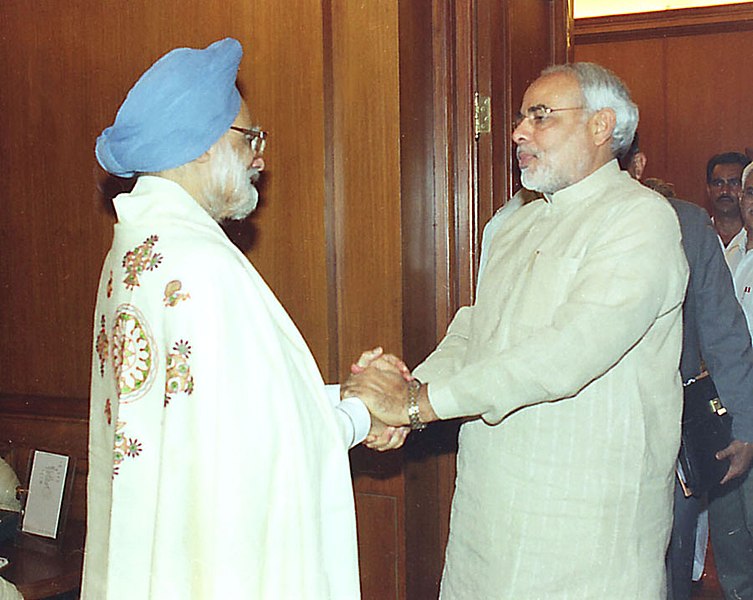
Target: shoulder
{"x":690,"y":212}
{"x":631,"y":200}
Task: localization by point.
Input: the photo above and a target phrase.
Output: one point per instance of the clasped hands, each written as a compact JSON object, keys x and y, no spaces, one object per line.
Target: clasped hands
{"x":381,"y":382}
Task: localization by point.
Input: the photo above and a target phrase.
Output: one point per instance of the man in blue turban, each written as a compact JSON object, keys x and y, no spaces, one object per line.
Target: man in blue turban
{"x":218,"y":466}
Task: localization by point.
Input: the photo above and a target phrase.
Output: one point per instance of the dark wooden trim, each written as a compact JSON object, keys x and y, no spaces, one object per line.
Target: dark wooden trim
{"x":666,"y":23}
{"x":444,"y":156}
{"x":562,"y":31}
{"x":44,"y":407}
{"x":333,"y":243}
{"x":466,"y":157}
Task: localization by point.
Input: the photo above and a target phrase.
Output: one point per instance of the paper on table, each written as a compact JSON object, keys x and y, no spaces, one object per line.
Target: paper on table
{"x":46,"y":485}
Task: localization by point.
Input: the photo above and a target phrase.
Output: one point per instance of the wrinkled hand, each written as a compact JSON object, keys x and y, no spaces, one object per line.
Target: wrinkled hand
{"x":381,"y":436}
{"x":381,"y":360}
{"x":740,"y":455}
{"x":383,"y":389}
{"x":384,"y":437}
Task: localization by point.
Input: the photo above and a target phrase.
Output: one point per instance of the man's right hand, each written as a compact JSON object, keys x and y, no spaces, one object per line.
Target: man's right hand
{"x":740,"y":455}
{"x":383,"y":437}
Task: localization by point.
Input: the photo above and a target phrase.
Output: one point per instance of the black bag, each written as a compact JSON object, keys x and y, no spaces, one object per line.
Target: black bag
{"x":706,"y":429}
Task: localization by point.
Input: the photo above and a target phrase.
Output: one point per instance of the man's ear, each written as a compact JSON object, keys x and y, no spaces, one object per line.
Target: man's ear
{"x":602,"y":126}
{"x":639,"y":164}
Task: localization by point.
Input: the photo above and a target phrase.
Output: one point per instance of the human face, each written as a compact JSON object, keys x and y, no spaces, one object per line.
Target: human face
{"x":234,"y":168}
{"x":746,"y":204}
{"x":724,"y":189}
{"x":556,"y":152}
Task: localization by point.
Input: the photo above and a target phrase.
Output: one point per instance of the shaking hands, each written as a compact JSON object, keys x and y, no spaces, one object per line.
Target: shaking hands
{"x":382,"y":382}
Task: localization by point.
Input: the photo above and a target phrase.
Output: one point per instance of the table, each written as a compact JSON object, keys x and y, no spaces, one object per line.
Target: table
{"x":40,"y":569}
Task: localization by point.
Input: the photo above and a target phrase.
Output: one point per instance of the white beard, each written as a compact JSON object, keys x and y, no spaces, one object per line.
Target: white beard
{"x":548,"y":179}
{"x":229,"y":190}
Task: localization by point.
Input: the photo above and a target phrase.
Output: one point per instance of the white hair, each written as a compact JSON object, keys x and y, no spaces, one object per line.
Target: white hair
{"x":228,"y":190}
{"x":603,"y":89}
{"x":746,"y":172}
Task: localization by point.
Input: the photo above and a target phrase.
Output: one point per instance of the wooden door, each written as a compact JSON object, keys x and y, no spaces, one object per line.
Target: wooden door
{"x":493,"y":49}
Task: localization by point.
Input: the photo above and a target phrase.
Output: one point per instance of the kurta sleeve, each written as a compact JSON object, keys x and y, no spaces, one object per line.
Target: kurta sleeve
{"x":631,"y":275}
{"x":353,"y":418}
{"x":449,"y":355}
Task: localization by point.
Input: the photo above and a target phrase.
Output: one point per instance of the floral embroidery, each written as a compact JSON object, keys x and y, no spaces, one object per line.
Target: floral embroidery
{"x":179,"y":378}
{"x":108,"y":411}
{"x":109,"y":286}
{"x":140,"y":259}
{"x":103,"y":348}
{"x":125,"y":447}
{"x":173,"y":294}
{"x":132,"y":353}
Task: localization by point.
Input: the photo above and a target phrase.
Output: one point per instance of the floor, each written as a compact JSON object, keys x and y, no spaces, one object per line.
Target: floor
{"x":708,"y":588}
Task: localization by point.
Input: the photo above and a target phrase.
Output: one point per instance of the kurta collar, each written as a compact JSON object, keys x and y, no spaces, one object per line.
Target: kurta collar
{"x":159,"y":200}
{"x":740,"y":241}
{"x":593,"y":184}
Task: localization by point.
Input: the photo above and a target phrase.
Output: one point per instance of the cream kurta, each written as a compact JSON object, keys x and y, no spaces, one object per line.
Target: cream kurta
{"x":216,"y":466}
{"x":570,"y":355}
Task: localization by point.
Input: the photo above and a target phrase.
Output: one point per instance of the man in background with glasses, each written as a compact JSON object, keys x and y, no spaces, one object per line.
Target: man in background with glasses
{"x":723,"y":173}
{"x":218,"y":467}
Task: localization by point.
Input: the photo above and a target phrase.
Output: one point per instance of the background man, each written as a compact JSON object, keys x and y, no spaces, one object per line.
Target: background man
{"x":731,"y":506}
{"x":566,"y":365}
{"x":723,"y":173}
{"x":714,"y":333}
{"x":218,"y":467}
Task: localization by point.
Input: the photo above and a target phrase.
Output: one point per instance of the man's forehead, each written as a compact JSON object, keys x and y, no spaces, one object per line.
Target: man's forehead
{"x":727,"y":168}
{"x":554,"y":90}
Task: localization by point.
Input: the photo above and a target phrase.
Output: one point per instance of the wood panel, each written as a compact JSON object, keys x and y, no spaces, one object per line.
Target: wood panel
{"x":382,"y":578}
{"x":69,"y":71}
{"x":366,"y":154}
{"x":688,"y":21}
{"x":690,"y":84}
{"x":366,"y":186}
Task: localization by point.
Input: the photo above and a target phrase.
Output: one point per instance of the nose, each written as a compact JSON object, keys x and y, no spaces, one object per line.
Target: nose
{"x":522,"y":132}
{"x":258,"y":163}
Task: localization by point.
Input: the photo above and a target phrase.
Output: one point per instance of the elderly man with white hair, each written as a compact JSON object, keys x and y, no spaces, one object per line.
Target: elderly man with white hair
{"x":218,"y":466}
{"x":565,"y":368}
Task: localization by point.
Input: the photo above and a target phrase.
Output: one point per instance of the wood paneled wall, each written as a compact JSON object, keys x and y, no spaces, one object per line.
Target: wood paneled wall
{"x":372,"y":200}
{"x":688,"y":72}
{"x":64,"y":73}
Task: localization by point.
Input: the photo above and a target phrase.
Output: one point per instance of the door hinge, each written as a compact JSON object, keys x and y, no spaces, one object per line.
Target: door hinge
{"x":482,"y":114}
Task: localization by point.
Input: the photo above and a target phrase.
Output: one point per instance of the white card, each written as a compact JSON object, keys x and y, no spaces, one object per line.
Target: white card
{"x":45,"y":496}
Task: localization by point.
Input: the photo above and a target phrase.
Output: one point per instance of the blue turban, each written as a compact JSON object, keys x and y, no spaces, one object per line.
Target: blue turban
{"x":175,"y":112}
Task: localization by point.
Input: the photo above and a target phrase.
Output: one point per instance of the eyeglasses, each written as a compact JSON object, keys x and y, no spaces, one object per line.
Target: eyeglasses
{"x":539,"y":115}
{"x":256,"y":138}
{"x":731,"y":183}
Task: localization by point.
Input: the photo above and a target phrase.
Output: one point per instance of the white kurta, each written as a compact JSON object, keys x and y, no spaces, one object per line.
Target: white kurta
{"x":216,"y":466}
{"x":742,"y":275}
{"x":570,"y":355}
{"x":735,"y":250}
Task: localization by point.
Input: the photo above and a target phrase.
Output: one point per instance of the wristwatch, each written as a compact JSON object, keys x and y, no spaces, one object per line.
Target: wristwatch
{"x":414,"y":417}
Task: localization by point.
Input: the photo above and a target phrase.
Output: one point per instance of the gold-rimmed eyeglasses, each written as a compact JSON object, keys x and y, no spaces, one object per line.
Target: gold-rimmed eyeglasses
{"x":256,"y":138}
{"x":539,"y":115}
